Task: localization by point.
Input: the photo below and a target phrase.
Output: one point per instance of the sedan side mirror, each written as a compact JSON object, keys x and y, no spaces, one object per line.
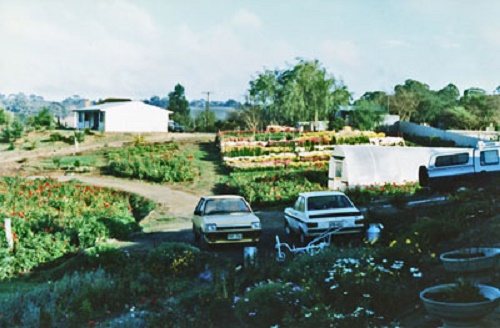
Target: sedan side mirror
{"x":197,"y":212}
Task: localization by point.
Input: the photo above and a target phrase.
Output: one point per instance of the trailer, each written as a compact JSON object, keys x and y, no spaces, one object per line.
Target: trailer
{"x":365,"y":165}
{"x":477,"y":166}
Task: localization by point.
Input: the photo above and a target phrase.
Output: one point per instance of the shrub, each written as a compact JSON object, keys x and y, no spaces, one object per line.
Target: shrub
{"x":56,"y":137}
{"x":174,"y":259}
{"x":270,"y":303}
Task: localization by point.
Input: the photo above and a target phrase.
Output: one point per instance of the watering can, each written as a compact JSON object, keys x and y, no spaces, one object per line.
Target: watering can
{"x":373,"y":232}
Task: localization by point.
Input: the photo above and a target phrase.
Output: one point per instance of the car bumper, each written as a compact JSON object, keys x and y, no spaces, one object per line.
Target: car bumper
{"x":343,"y":231}
{"x":232,"y":237}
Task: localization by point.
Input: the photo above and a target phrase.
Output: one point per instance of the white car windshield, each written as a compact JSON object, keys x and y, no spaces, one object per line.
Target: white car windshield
{"x":224,"y":206}
{"x":328,"y":202}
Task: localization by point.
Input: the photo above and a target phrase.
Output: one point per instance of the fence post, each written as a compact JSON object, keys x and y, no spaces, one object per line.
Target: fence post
{"x":8,"y":233}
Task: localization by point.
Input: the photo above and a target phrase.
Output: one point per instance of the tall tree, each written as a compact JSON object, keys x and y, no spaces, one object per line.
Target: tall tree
{"x":367,"y":114}
{"x":404,"y":103}
{"x":304,"y":92}
{"x":252,"y":116}
{"x":179,"y":105}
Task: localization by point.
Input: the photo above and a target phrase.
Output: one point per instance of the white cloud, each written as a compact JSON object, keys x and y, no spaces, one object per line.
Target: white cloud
{"x":246,"y":18}
{"x":341,"y":53}
{"x":396,"y":44}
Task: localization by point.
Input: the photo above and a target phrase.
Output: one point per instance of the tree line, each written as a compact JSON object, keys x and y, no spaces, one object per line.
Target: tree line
{"x":307,"y":92}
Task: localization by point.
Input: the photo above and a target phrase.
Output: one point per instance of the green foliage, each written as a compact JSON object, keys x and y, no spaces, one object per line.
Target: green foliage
{"x":140,"y":206}
{"x":304,"y":92}
{"x":43,"y":118}
{"x":4,"y":118}
{"x":54,"y":137}
{"x":69,"y":302}
{"x":88,"y":132}
{"x":173,"y":259}
{"x":205,"y":121}
{"x":179,"y":105}
{"x":274,"y":187}
{"x":156,"y":162}
{"x":51,"y":218}
{"x":461,"y":292}
{"x":269,"y":304}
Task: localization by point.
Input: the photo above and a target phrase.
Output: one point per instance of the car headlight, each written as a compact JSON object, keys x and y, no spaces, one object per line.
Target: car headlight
{"x":211,"y":227}
{"x":255,"y":225}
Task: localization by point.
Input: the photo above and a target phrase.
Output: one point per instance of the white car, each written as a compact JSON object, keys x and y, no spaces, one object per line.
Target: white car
{"x":315,"y":213}
{"x":225,"y":219}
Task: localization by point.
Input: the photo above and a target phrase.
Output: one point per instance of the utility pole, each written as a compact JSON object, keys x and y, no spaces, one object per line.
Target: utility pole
{"x":207,"y":107}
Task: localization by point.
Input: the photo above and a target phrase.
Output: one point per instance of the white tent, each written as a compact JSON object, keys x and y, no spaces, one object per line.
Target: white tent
{"x":126,"y":116}
{"x":362,"y":165}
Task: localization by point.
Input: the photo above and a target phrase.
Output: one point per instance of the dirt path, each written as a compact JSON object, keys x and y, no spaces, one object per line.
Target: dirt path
{"x":174,"y":207}
{"x":171,"y":203}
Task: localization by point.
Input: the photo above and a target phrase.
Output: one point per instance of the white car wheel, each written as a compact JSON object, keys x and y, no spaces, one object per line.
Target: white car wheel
{"x":302,"y":238}
{"x":288,"y":230}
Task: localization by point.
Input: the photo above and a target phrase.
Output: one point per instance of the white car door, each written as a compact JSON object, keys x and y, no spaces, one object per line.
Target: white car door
{"x":297,"y":214}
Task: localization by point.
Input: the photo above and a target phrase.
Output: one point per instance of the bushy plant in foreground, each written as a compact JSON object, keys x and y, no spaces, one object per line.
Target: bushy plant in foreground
{"x":173,"y":259}
{"x":70,"y":301}
{"x":51,"y":218}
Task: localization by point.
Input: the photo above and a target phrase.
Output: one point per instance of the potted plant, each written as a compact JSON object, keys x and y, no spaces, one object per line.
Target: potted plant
{"x":471,"y":259}
{"x":460,"y":304}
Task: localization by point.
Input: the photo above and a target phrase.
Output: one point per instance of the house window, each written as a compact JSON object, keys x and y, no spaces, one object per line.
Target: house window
{"x":489,"y":157}
{"x":81,"y":117}
{"x":101,"y":119}
{"x":452,"y":160}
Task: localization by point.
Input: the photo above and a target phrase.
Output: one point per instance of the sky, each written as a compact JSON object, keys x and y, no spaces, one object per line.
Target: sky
{"x":139,"y":48}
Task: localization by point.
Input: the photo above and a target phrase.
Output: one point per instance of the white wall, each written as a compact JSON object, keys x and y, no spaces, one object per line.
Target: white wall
{"x":135,"y":117}
{"x":427,"y":131}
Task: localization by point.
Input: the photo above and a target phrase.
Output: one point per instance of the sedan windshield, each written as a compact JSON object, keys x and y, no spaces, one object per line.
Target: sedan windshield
{"x":328,"y":202}
{"x":224,"y":206}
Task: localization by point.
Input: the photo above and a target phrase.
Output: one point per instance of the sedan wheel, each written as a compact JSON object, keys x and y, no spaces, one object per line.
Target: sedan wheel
{"x":203,"y":245}
{"x":288,"y":230}
{"x":196,"y":234}
{"x":302,"y":238}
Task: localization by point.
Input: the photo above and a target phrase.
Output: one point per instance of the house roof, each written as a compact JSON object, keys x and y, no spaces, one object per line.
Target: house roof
{"x":120,"y":105}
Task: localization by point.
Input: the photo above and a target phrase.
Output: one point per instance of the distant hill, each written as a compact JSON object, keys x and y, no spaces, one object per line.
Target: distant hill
{"x":28,"y":105}
{"x":221,"y":113}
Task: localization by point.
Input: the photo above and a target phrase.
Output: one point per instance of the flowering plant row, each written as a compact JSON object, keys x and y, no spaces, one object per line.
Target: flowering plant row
{"x":275,"y":187}
{"x":157,"y":162}
{"x":255,"y":148}
{"x":277,"y":165}
{"x":395,"y":192}
{"x":51,"y":218}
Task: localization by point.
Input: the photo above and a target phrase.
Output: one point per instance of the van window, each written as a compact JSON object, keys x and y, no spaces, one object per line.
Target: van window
{"x":489,"y":157}
{"x":452,"y":160}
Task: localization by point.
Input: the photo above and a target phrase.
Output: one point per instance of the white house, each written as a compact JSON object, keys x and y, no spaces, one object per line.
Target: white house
{"x":125,"y":116}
